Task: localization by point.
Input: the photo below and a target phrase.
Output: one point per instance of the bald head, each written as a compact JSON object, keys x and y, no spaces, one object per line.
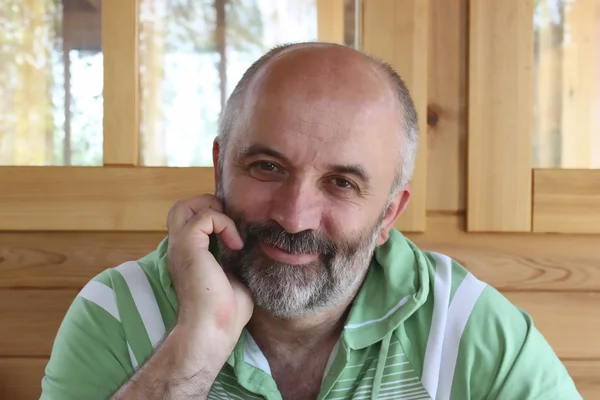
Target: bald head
{"x":323,"y":74}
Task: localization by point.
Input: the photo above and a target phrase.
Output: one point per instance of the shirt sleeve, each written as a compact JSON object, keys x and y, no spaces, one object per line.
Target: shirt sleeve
{"x":503,"y":356}
{"x":90,"y":357}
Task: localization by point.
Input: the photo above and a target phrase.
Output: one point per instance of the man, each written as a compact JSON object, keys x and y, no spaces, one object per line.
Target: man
{"x":291,"y":282}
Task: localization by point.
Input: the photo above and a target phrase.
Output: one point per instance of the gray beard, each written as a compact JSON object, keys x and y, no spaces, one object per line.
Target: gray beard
{"x":294,"y":291}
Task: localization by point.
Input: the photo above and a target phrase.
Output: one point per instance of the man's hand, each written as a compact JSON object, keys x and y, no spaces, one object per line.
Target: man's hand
{"x":213,"y":308}
{"x":209,"y":299}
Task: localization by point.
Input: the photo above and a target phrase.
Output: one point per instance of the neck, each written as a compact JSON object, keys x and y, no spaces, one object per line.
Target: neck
{"x":276,"y":337}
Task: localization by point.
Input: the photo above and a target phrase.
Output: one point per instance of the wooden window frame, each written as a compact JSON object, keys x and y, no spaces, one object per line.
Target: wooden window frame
{"x":121,"y":195}
{"x":505,"y":192}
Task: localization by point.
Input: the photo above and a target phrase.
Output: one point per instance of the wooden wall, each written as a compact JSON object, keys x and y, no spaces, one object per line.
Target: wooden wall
{"x":554,"y":277}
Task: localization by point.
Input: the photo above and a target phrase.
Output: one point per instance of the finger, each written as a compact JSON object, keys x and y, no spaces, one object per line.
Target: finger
{"x":209,"y":221}
{"x":182,"y":211}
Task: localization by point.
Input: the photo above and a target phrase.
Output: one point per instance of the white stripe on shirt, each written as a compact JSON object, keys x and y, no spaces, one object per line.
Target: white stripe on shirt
{"x":441,"y":295}
{"x":462,"y":304}
{"x":104,"y":297}
{"x":144,"y":300}
{"x":101,"y":295}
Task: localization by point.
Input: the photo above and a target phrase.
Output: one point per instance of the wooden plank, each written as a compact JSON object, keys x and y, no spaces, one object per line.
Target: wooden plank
{"x":121,"y":88}
{"x":330,"y":21}
{"x":500,"y":115}
{"x":520,"y":261}
{"x":67,"y":260}
{"x":566,"y":201}
{"x":586,"y":375}
{"x":570,"y":322}
{"x":20,"y":378}
{"x":516,"y":262}
{"x":95,"y":198}
{"x":397,"y":32}
{"x":30,"y":320}
{"x":446,"y":111}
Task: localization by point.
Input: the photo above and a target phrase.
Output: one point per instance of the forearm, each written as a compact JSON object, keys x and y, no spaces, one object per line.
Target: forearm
{"x":183,"y":366}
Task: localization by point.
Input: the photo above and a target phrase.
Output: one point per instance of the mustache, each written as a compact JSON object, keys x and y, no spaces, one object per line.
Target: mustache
{"x":306,"y":242}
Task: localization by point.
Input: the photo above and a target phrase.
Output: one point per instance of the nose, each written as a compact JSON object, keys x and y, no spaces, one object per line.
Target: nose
{"x":296,"y":207}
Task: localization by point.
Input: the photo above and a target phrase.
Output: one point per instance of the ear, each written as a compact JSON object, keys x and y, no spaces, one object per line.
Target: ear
{"x":393,"y":212}
{"x":216,"y":153}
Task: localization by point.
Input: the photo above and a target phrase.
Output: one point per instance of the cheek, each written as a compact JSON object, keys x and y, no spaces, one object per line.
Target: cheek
{"x":342,"y":223}
{"x":349,"y":222}
{"x":251,"y":197}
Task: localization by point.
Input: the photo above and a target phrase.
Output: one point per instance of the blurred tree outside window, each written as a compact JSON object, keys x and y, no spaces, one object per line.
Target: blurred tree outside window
{"x":50,"y":82}
{"x":191,"y":55}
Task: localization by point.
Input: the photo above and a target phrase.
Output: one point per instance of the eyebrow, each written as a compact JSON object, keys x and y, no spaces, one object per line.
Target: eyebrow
{"x":257,"y":149}
{"x":351,"y":169}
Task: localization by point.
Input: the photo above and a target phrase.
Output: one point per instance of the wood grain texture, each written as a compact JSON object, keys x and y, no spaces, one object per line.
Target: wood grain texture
{"x":330,"y":21}
{"x":514,"y":262}
{"x":566,"y":200}
{"x":397,"y":32}
{"x":95,"y":198}
{"x":30,"y":320}
{"x":121,"y":87}
{"x":20,"y":378}
{"x":517,"y":262}
{"x":447,"y":102}
{"x":500,"y":115}
{"x":586,"y":375}
{"x":569,"y":321}
{"x":67,"y":260}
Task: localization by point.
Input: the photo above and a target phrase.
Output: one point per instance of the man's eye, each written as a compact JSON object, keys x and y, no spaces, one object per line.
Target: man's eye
{"x":264,"y":166}
{"x":343,"y":183}
{"x":267,"y":166}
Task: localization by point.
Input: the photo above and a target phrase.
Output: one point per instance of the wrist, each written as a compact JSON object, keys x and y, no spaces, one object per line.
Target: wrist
{"x":201,"y":341}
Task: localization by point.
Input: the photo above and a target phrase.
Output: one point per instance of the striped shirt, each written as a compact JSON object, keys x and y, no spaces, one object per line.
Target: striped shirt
{"x":421,"y":327}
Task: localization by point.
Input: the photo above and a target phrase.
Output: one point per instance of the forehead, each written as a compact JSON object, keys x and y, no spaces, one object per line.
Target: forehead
{"x":322,"y":107}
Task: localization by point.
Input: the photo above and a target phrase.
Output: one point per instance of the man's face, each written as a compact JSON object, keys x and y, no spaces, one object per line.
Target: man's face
{"x":306,"y":178}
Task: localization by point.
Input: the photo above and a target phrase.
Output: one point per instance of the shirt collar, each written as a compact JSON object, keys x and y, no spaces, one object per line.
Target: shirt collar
{"x":395,"y":286}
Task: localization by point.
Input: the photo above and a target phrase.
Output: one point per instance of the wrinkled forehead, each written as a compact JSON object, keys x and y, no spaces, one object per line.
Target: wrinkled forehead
{"x":326,"y":103}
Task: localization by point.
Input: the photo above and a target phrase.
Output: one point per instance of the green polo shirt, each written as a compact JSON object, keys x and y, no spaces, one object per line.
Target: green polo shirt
{"x":421,"y":327}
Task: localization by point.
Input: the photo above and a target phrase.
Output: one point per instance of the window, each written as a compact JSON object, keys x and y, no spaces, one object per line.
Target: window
{"x":51,"y":82}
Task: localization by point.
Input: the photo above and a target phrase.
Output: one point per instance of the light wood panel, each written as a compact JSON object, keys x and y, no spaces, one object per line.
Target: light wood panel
{"x":586,"y":375}
{"x":500,"y":115}
{"x":515,"y":262}
{"x":121,"y":87}
{"x":566,"y":200}
{"x":397,"y":32}
{"x":330,"y":21}
{"x":95,"y":198}
{"x":447,"y":102}
{"x":20,"y":378}
{"x":67,"y":260}
{"x":30,"y":320}
{"x":570,"y":322}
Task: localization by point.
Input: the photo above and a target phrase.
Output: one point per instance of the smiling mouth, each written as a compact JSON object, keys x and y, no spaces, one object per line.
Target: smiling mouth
{"x":277,"y":254}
